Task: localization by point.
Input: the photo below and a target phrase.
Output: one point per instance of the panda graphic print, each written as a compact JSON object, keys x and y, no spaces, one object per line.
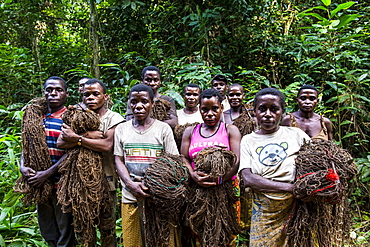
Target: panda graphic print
{"x":272,"y":154}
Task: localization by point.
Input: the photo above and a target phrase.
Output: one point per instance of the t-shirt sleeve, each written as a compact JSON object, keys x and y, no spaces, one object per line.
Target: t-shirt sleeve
{"x":118,"y":142}
{"x":169,"y":141}
{"x":245,"y":155}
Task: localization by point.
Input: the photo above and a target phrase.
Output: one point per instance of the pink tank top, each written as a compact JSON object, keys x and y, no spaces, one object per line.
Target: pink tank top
{"x":220,"y":139}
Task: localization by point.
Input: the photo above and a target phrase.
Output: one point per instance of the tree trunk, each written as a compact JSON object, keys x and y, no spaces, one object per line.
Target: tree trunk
{"x":94,"y":38}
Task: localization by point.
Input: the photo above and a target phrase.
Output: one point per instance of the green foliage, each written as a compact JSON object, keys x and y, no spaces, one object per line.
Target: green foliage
{"x":257,"y":43}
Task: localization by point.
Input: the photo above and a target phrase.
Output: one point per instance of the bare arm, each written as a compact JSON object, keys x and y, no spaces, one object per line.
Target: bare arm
{"x":329,"y":128}
{"x":136,"y":188}
{"x":261,"y":184}
{"x":172,"y":121}
{"x":234,"y":139}
{"x":95,"y":140}
{"x":200,"y":178}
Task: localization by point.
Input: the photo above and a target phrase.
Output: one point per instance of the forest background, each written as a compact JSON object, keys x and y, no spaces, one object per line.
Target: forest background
{"x":257,"y":43}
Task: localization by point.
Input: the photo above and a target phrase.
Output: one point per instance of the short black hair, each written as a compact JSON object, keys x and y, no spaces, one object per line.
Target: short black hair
{"x":307,"y":86}
{"x":149,"y":68}
{"x":209,"y":93}
{"x":59,"y":79}
{"x":236,"y":85}
{"x":271,"y":91}
{"x":142,"y":88}
{"x":219,"y":78}
{"x":191,"y":85}
{"x":93,"y":81}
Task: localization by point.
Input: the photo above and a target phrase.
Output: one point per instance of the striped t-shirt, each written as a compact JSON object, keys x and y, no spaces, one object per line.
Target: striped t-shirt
{"x":141,"y":149}
{"x":53,"y":124}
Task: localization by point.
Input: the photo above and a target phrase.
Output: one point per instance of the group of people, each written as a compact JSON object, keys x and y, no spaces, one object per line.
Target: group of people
{"x":265,"y":158}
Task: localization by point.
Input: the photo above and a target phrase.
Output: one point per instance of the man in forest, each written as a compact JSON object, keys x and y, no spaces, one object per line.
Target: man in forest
{"x":81,"y":84}
{"x":219,"y":82}
{"x":315,"y":125}
{"x":95,"y":97}
{"x":55,"y":226}
{"x":151,"y":77}
{"x":134,"y":152}
{"x":190,"y":114}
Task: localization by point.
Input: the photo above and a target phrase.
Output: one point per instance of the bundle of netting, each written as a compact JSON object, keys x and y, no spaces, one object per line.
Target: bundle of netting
{"x":83,"y":188}
{"x":322,"y":217}
{"x":35,"y":152}
{"x":160,"y":109}
{"x":167,"y":180}
{"x":245,"y":122}
{"x":211,"y":211}
{"x":178,"y":132}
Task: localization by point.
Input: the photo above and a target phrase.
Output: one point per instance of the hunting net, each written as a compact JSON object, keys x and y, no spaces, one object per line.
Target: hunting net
{"x":245,"y":122}
{"x":35,"y":152}
{"x":179,"y":130}
{"x":167,"y":180}
{"x":211,"y":209}
{"x":83,"y":188}
{"x":160,"y":109}
{"x":322,"y":217}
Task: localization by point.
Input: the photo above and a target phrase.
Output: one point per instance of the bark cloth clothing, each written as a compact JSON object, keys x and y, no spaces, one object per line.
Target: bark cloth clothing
{"x":271,"y":156}
{"x":323,"y":133}
{"x":140,"y":150}
{"x":172,"y":111}
{"x":219,"y":138}
{"x":107,"y":224}
{"x":184,"y":118}
{"x":55,"y":226}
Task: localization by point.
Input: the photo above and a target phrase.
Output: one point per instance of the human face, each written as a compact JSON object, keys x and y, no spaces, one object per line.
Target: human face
{"x":141,"y":105}
{"x":268,"y":113}
{"x":307,"y":100}
{"x":191,"y":96}
{"x":235,"y":96}
{"x":152,"y":79}
{"x":55,"y":94}
{"x":211,"y":110}
{"x":94,"y":97}
{"x":220,"y":86}
{"x":81,"y":84}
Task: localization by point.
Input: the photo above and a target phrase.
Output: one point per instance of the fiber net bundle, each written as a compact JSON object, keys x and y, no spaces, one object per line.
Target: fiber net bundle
{"x":167,"y":181}
{"x":245,"y":122}
{"x":178,"y":132}
{"x":323,"y":175}
{"x":160,"y":109}
{"x":35,"y":152}
{"x":211,"y":209}
{"x":83,"y":188}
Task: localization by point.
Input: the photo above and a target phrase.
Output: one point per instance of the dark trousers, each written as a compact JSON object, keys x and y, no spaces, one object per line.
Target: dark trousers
{"x":55,"y":226}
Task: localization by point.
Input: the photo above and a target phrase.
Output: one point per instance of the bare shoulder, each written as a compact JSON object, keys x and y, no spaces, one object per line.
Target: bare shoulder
{"x":286,"y":120}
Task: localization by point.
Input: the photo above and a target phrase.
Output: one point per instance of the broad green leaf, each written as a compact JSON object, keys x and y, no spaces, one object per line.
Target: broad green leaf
{"x":362,"y":77}
{"x":332,"y":85}
{"x":350,"y":134}
{"x":4,"y":214}
{"x":340,"y":7}
{"x":344,"y":20}
{"x":346,"y":122}
{"x":326,"y":2}
{"x":109,"y":65}
{"x":27,"y":230}
{"x":315,"y":15}
{"x":2,"y":242}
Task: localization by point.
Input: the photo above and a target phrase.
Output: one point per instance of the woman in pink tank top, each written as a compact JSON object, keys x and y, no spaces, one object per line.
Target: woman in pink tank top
{"x":211,"y":133}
